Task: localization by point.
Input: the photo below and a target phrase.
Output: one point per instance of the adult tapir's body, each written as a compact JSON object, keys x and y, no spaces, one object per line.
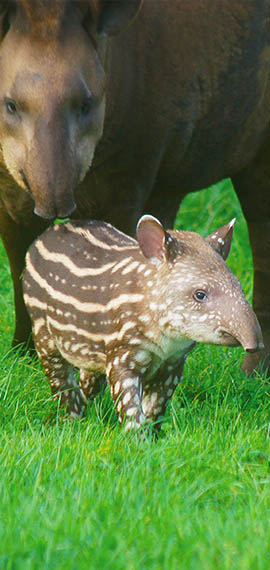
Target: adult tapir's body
{"x":177,"y":93}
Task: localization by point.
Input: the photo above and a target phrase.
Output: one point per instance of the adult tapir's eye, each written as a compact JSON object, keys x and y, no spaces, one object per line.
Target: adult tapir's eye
{"x":11,"y":106}
{"x":86,"y":107}
{"x":200,"y":295}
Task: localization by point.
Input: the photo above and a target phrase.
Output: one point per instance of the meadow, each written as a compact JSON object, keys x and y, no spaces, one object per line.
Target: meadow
{"x":84,"y":495}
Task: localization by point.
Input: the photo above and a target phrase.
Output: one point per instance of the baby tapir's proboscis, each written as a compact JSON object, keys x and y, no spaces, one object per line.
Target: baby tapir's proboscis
{"x":129,"y":310}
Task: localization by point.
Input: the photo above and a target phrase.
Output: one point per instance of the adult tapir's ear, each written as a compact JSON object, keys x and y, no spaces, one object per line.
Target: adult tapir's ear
{"x":7,"y":10}
{"x":156,"y":244}
{"x":221,"y":239}
{"x":114,"y":15}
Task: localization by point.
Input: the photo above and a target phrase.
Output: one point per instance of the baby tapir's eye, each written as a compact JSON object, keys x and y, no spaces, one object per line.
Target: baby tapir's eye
{"x":200,"y":295}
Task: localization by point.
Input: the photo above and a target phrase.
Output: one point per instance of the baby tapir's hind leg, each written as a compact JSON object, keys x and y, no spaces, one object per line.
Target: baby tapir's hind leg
{"x":61,"y":377}
{"x":63,"y":384}
{"x":58,"y":371}
{"x":91,"y":383}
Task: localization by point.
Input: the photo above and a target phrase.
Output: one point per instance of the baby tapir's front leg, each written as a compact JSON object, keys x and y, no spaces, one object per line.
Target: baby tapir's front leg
{"x":126,"y":390}
{"x":158,"y":390}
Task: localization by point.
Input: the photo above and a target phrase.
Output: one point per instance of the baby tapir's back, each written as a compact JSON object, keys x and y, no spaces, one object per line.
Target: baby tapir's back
{"x":82,"y":273}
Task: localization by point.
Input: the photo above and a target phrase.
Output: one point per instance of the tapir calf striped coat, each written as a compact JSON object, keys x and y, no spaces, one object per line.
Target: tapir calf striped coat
{"x":130,"y":310}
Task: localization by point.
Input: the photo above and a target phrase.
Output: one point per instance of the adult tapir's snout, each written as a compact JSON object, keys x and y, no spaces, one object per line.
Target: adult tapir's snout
{"x":50,"y":172}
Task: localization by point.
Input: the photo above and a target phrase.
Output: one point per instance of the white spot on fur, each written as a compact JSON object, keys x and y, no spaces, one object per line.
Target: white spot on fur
{"x":153,"y":398}
{"x":38,"y":323}
{"x":141,"y":268}
{"x":168,"y":381}
{"x":144,"y":318}
{"x":134,"y":341}
{"x":136,"y":399}
{"x":124,"y":357}
{"x":128,"y":382}
{"x":132,"y":424}
{"x":126,"y":398}
{"x":131,"y":411}
{"x":143,"y":357}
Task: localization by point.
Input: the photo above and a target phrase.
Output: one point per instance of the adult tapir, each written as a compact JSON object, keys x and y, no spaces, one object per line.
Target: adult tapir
{"x":112,"y":108}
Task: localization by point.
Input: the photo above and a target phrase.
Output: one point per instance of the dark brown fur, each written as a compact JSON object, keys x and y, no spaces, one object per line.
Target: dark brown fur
{"x":187,"y":103}
{"x":45,"y":17}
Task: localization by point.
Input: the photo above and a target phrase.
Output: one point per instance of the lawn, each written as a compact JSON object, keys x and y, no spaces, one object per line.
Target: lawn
{"x":84,"y":495}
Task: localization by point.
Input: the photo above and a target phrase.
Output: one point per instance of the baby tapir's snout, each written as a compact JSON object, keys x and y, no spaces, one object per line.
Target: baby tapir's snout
{"x":242,"y":327}
{"x":130,"y":310}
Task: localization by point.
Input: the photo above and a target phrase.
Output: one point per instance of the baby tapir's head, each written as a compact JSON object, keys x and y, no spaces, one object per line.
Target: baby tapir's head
{"x":197,"y":295}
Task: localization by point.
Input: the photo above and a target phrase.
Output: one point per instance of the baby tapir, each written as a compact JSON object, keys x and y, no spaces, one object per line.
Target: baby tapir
{"x":108,"y":304}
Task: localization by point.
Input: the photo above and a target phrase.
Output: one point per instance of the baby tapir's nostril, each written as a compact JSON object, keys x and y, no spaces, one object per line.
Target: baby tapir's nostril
{"x":259,"y":346}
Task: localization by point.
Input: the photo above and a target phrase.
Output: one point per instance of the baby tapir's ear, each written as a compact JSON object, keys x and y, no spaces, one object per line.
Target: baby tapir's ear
{"x":156,"y":244}
{"x":221,"y":239}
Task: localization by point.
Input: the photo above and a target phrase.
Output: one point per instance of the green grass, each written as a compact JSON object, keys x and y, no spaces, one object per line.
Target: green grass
{"x":86,"y":496}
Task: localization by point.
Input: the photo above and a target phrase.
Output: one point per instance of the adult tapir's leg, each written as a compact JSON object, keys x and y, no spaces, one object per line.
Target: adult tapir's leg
{"x":253,"y":188}
{"x":16,"y":240}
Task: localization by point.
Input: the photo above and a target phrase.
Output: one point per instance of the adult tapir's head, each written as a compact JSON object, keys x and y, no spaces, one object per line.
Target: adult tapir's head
{"x":52,"y":92}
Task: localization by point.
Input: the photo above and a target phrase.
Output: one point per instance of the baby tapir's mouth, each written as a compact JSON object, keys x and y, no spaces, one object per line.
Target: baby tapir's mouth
{"x":252,"y":344}
{"x":229,"y":339}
